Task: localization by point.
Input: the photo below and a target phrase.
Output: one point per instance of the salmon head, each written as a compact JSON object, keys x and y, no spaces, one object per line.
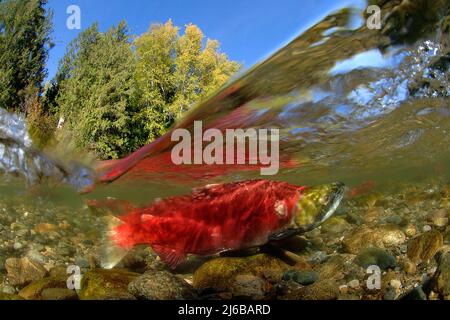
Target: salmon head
{"x":317,"y":204}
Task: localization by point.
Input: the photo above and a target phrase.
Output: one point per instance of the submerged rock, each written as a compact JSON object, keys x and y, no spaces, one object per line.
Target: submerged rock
{"x":375,"y":256}
{"x":322,"y":290}
{"x":99,"y":284}
{"x":221,"y":273}
{"x":7,"y":296}
{"x":425,"y":246}
{"x":383,"y":236}
{"x":34,"y":290}
{"x":161,"y":285}
{"x":440,"y":218}
{"x":442,"y":277}
{"x":335,"y":226}
{"x":250,"y":287}
{"x":303,"y":278}
{"x":56,"y":294}
{"x":21,"y":272}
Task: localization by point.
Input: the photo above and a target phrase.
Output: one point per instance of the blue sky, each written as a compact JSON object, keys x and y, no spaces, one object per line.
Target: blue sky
{"x":248,"y":30}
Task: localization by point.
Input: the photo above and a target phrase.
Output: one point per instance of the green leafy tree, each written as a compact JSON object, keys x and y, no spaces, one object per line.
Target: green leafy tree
{"x":98,"y":93}
{"x":176,"y":71}
{"x":25,"y":27}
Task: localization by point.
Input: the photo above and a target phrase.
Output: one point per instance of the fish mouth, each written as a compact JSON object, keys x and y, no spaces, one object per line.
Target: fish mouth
{"x":336,"y":196}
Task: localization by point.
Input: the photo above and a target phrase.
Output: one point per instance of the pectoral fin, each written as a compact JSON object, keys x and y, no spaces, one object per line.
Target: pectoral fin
{"x":169,"y":256}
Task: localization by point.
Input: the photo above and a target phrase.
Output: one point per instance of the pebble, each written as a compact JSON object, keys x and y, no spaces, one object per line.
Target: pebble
{"x":440,"y":218}
{"x":37,"y":256}
{"x":354,"y":284}
{"x":303,"y":278}
{"x":396,"y":284}
{"x":395,"y":219}
{"x":17,"y":246}
{"x":427,"y":228}
{"x":318,"y":257}
{"x":81,"y":262}
{"x":410,"y":230}
{"x":343,"y":289}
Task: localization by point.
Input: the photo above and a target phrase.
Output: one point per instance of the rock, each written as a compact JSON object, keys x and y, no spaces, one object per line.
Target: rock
{"x":2,"y":262}
{"x":99,"y":284}
{"x":21,"y":272}
{"x":5,"y":288}
{"x":440,"y":218}
{"x":57,"y":294}
{"x":392,"y":236}
{"x":220,"y":273}
{"x":81,"y":262}
{"x":415,"y":294}
{"x":409,"y":267}
{"x":410,"y":230}
{"x":318,"y":257}
{"x":250,"y":287}
{"x":34,"y":290}
{"x":375,"y":256}
{"x":45,"y":228}
{"x":425,"y":246}
{"x":343,"y":289}
{"x":391,"y":294}
{"x":395,"y":219}
{"x":442,"y":277}
{"x":354,"y":284}
{"x":17,"y":246}
{"x":160,"y":285}
{"x":427,"y":228}
{"x":303,"y":278}
{"x":141,"y":259}
{"x":59,"y":272}
{"x":396,"y":284}
{"x":337,"y":267}
{"x":364,"y":237}
{"x":87,"y":243}
{"x":35,"y":255}
{"x":335,"y":226}
{"x":65,"y":249}
{"x":373,"y":215}
{"x":7,"y":296}
{"x":321,"y":290}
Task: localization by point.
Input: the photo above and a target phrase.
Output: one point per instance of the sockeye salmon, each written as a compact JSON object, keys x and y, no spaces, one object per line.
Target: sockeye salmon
{"x":219,"y":218}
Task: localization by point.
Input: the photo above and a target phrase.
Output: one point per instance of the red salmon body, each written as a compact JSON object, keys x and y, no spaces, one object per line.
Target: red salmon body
{"x":212,"y":220}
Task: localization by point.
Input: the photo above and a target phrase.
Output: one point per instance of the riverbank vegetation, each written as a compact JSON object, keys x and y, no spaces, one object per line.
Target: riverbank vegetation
{"x":114,"y":91}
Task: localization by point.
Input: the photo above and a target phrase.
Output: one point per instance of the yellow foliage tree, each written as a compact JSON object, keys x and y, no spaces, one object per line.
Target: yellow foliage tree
{"x":177,"y":71}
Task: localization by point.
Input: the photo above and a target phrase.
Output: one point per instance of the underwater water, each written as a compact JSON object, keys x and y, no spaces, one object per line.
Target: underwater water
{"x":351,"y":104}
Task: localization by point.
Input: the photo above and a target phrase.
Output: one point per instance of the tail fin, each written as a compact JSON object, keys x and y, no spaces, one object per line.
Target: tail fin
{"x":110,"y":252}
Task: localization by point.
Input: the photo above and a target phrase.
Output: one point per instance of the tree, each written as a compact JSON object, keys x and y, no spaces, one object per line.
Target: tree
{"x":176,"y":71}
{"x":97,"y":92}
{"x":24,"y":44}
